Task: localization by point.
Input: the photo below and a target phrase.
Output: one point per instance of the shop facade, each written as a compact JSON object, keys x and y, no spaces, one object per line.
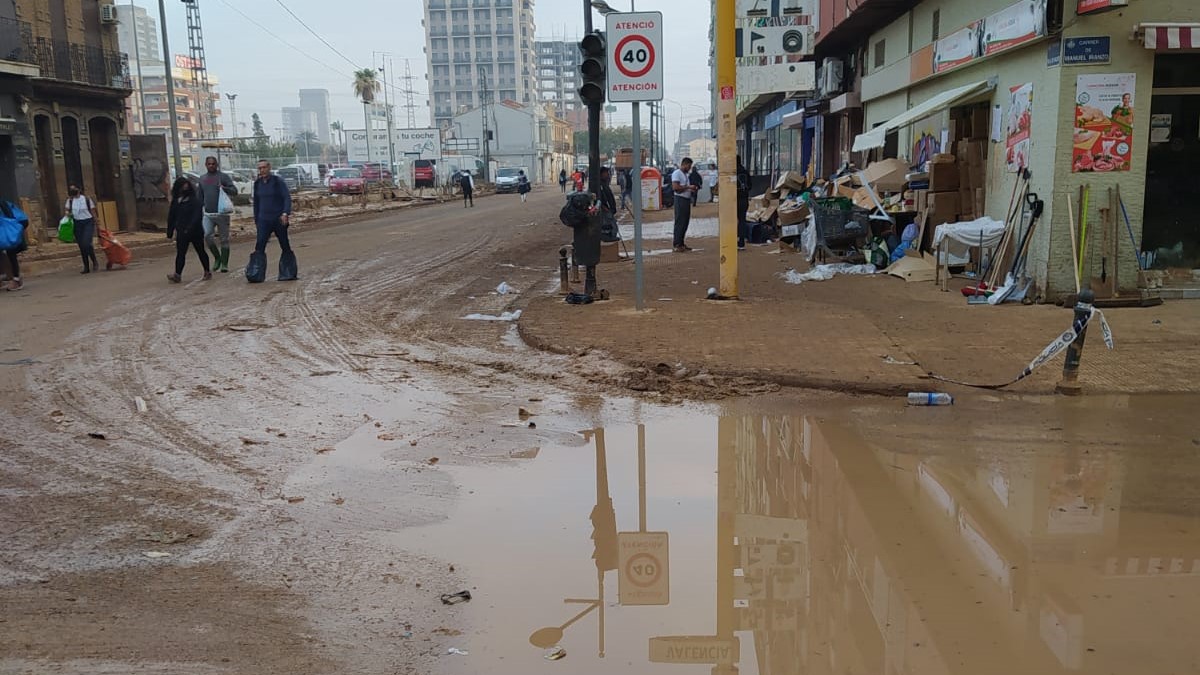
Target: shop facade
{"x":1079,"y":98}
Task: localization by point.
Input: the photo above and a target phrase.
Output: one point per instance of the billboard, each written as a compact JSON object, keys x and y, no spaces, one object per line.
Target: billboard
{"x":1006,"y":29}
{"x":409,"y":143}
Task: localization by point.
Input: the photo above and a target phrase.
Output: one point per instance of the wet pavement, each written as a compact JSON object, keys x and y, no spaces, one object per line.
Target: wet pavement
{"x":799,"y":544}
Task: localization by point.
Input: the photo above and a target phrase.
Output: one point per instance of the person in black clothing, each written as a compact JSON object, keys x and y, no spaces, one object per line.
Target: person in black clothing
{"x":743,"y":203}
{"x":696,"y":181}
{"x":185,"y":221}
{"x":608,"y":207}
{"x":468,"y":188}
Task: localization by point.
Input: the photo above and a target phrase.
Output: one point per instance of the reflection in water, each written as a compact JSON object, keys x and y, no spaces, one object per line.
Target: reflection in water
{"x":814,"y":552}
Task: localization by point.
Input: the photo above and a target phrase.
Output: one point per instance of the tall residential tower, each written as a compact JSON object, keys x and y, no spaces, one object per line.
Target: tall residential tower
{"x":471,"y":45}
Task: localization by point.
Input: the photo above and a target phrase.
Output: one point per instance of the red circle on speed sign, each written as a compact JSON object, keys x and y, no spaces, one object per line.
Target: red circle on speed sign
{"x":643,"y":570}
{"x":649,"y":52}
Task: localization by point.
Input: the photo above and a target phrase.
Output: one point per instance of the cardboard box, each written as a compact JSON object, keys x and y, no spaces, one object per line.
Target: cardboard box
{"x":862,"y":199}
{"x":979,"y":202}
{"x":972,"y":152}
{"x":944,"y":176}
{"x":941,"y":207}
{"x":886,"y":175}
{"x":790,"y":181}
{"x":624,"y":158}
{"x":792,"y":213}
{"x":920,"y":199}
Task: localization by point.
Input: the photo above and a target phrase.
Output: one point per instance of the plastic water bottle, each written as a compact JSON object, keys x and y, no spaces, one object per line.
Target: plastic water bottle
{"x":929,"y":398}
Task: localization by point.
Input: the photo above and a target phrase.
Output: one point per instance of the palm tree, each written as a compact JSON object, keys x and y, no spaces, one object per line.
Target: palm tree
{"x":339,"y":130}
{"x":365,"y":86}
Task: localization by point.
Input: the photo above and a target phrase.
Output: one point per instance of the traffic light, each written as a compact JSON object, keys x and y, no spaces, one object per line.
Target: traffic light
{"x":592,"y":68}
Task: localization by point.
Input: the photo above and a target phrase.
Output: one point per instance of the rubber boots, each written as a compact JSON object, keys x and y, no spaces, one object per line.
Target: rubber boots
{"x":216,"y":256}
{"x":224,"y":264}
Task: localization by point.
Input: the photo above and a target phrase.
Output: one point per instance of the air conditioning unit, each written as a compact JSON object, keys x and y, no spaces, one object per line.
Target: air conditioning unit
{"x":108,"y":14}
{"x":831,"y":83}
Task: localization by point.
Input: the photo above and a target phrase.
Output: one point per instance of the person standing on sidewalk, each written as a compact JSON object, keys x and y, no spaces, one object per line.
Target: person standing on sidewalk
{"x":562,"y":180}
{"x":83,"y":211}
{"x":185,"y":222}
{"x":523,"y":186}
{"x":272,"y":212}
{"x":683,"y":190}
{"x":468,"y":188}
{"x":696,"y":180}
{"x":212,"y":183}
{"x":743,"y":203}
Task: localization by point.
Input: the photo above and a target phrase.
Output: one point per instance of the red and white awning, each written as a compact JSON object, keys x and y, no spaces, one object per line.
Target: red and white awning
{"x":1168,"y":36}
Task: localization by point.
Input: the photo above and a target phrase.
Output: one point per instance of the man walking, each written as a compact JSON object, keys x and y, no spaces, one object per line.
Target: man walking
{"x":468,"y":188}
{"x":272,"y":212}
{"x":684,"y":190}
{"x":212,"y":183}
{"x":743,"y":203}
{"x":623,"y":181}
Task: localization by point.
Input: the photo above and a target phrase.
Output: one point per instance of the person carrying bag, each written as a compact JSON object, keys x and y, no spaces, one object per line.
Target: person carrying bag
{"x":82,"y":210}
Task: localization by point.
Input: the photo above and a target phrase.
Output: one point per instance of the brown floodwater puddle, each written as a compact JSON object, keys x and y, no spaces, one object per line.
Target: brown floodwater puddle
{"x":790,"y":545}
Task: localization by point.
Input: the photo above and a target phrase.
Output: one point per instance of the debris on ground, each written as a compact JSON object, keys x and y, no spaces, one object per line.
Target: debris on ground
{"x":456,"y":598}
{"x":555,"y":654}
{"x":826,"y":272}
{"x":457,"y":651}
{"x":386,"y":437}
{"x":894,"y":362}
{"x":433,"y":460}
{"x":338,"y":500}
{"x":322,"y":451}
{"x":140,"y":404}
{"x":156,"y":554}
{"x":506,"y":316}
{"x":293,"y":500}
{"x":168,"y":537}
{"x":505,"y":289}
{"x":524,"y":413}
{"x":250,"y":441}
{"x":97,"y":435}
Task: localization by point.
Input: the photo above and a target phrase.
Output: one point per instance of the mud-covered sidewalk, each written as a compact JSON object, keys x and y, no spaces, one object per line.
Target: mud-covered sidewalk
{"x":875,"y":334}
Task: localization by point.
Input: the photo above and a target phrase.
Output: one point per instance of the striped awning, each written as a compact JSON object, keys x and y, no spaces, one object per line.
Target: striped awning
{"x":1168,"y":36}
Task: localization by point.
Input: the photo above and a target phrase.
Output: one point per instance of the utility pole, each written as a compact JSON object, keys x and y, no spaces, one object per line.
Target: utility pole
{"x":726,"y":111}
{"x":387,"y":108}
{"x":170,"y":75}
{"x":409,"y":105}
{"x":484,"y":96}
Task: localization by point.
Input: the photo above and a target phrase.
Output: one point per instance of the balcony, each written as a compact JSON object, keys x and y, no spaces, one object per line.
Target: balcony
{"x":462,"y":57}
{"x":63,"y":60}
{"x":461,"y":30}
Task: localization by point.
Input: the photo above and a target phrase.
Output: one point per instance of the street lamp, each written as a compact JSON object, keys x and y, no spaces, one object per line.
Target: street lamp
{"x":602,"y":7}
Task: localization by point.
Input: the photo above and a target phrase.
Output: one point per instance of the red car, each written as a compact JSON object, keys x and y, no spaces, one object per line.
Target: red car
{"x":347,"y":182}
{"x":375,"y":173}
{"x":424,"y":173}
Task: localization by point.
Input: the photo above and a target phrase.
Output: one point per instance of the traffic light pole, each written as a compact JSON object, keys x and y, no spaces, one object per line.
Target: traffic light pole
{"x":593,"y":120}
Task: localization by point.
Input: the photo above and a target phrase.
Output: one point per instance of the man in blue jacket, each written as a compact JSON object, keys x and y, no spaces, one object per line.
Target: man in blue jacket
{"x":272,"y":208}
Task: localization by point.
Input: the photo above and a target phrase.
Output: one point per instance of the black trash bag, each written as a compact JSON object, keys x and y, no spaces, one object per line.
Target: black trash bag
{"x":288,"y":267}
{"x":256,"y":269}
{"x":575,"y":212}
{"x":578,"y":299}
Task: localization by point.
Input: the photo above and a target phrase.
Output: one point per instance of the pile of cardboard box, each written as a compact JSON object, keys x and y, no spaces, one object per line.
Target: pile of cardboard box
{"x":956,"y":185}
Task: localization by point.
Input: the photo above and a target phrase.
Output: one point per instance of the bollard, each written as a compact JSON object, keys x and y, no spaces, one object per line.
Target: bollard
{"x":564,"y":281}
{"x":1069,"y":385}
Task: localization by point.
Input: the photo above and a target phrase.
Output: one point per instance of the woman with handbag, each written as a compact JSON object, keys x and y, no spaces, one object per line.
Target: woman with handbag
{"x":82,"y":210}
{"x":185,"y":221}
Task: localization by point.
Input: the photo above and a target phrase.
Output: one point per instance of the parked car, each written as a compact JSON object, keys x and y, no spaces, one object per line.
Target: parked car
{"x":346,"y":182}
{"x":424,"y":173}
{"x":375,"y":173}
{"x":293,"y":176}
{"x":506,"y":179}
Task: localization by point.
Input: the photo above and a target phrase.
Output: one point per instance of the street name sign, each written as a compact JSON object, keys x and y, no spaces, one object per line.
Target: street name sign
{"x":635,"y":71}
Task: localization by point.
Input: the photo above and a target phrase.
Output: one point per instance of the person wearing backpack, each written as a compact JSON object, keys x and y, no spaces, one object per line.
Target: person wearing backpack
{"x":217,"y":211}
{"x":83,"y":211}
{"x":468,"y":188}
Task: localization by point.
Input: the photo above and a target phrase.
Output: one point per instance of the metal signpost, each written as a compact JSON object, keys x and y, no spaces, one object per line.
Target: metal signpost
{"x":635,"y":74}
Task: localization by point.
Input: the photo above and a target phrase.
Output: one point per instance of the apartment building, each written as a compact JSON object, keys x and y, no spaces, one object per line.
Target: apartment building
{"x":63,"y":85}
{"x":558,"y":79}
{"x":478,"y":47}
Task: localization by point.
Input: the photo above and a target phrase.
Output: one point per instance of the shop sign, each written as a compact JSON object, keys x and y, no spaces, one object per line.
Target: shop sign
{"x":1011,"y":27}
{"x":1103,"y":125}
{"x":1087,"y":51}
{"x":1020,"y":122}
{"x":1095,"y":6}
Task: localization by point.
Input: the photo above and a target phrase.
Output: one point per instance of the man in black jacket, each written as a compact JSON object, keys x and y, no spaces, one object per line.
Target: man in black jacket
{"x":743,"y":203}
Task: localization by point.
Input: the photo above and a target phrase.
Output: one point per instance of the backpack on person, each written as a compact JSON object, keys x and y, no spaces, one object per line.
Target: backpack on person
{"x":575,"y":212}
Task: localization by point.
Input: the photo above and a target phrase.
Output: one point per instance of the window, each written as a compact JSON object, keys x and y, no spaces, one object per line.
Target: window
{"x":880,"y":54}
{"x":937,"y":25}
{"x":483,"y":16}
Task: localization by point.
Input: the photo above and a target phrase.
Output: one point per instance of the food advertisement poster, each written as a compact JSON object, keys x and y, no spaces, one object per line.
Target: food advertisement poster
{"x":1020,"y":116}
{"x":1103,"y":136}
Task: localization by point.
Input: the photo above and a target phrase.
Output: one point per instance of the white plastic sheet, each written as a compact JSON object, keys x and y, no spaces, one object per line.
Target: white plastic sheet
{"x":826,"y":272}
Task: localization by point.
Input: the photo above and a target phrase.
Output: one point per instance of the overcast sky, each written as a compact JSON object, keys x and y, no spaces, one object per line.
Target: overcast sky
{"x":266,"y":73}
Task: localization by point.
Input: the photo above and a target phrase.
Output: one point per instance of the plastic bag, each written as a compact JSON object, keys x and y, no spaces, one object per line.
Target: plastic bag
{"x":288,"y":268}
{"x":66,"y":229}
{"x":224,"y":203}
{"x":256,"y":269}
{"x":12,"y":234}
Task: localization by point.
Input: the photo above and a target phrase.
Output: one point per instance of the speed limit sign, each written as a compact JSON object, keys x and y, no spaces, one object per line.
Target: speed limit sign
{"x":635,"y":57}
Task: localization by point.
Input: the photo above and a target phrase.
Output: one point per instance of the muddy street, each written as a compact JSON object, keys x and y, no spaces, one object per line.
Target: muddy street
{"x":218,"y":477}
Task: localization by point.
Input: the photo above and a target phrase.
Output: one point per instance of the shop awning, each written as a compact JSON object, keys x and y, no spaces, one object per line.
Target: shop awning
{"x":875,"y":138}
{"x":1167,"y":36}
{"x":793,"y":120}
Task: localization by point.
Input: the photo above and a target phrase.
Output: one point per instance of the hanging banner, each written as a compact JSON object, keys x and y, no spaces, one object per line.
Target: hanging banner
{"x":1020,"y":118}
{"x":1103,"y":135}
{"x":1007,"y":29}
{"x":1094,"y":6}
{"x":957,"y":48}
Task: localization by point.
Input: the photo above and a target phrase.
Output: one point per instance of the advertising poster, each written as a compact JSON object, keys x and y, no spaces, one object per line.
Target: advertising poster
{"x":1020,"y":117}
{"x":1103,"y":137}
{"x":957,"y":48}
{"x":1014,"y":25}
